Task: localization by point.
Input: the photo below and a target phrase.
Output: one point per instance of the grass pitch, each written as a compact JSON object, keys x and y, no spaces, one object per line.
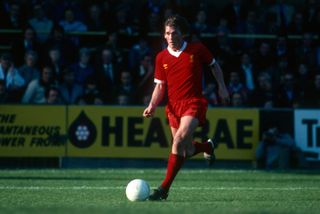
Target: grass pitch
{"x":194,"y":191}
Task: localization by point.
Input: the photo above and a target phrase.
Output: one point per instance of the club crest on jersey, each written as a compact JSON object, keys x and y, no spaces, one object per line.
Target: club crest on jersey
{"x":165,"y":66}
{"x":191,"y":58}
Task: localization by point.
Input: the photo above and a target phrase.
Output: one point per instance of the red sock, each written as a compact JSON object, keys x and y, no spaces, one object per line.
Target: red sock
{"x":201,"y":147}
{"x":174,"y":164}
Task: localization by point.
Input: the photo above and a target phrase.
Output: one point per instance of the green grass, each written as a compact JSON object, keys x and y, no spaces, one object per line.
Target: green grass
{"x":194,"y":191}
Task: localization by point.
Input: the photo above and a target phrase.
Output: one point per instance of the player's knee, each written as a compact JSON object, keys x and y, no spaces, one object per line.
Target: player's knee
{"x":177,"y":146}
{"x":179,"y":138}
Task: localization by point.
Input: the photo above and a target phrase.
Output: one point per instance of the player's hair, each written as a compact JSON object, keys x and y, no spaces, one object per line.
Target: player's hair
{"x":179,"y":22}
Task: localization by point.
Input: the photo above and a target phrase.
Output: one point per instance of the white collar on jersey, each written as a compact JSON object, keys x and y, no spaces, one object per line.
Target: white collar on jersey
{"x":177,"y":53}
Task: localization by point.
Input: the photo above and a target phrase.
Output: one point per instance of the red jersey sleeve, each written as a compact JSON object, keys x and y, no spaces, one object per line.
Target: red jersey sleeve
{"x":159,"y":74}
{"x":206,"y":55}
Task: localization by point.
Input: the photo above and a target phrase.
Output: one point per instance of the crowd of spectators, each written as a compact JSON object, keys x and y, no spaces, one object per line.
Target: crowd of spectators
{"x":48,"y":64}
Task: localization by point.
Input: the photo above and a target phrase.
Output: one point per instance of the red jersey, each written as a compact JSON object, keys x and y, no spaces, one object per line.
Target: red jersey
{"x":182,"y":70}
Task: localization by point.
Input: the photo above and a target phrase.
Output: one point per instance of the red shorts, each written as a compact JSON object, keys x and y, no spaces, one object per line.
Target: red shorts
{"x":195,"y":107}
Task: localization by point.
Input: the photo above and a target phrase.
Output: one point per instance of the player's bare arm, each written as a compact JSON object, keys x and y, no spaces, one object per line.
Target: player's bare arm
{"x":156,"y":98}
{"x":223,"y":91}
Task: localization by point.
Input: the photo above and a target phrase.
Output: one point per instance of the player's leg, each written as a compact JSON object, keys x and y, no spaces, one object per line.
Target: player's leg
{"x":161,"y":193}
{"x":207,"y":148}
{"x":204,"y":147}
{"x":182,"y":140}
{"x":199,"y":110}
{"x":182,"y":137}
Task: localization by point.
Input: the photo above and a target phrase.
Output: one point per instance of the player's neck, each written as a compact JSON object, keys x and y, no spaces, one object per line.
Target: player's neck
{"x":178,"y":47}
{"x":177,"y":51}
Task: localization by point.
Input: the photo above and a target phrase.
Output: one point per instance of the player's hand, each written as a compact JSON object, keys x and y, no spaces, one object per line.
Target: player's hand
{"x":149,"y":111}
{"x":224,"y":95}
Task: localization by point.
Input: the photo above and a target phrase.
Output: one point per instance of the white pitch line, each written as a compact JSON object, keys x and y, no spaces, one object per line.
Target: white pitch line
{"x":178,"y":188}
{"x":60,"y":188}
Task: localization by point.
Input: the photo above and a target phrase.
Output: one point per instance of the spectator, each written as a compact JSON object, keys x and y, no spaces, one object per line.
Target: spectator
{"x":280,"y":70}
{"x":69,"y":90}
{"x":14,"y":19}
{"x":283,"y":12}
{"x":123,"y":99}
{"x":137,"y":52}
{"x":98,"y":100}
{"x":59,"y":7}
{"x":5,"y":63}
{"x":259,"y":7}
{"x":113,"y":44}
{"x":29,"y":70}
{"x":288,"y":92}
{"x":247,"y":74}
{"x":148,"y":9}
{"x":3,"y":10}
{"x":14,"y":82}
{"x":82,"y":68}
{"x":210,"y":93}
{"x":235,"y":85}
{"x":237,"y":100}
{"x":281,"y":47}
{"x":40,"y":23}
{"x":306,"y":51}
{"x":107,"y":14}
{"x":91,"y":95}
{"x":310,"y":11}
{"x":277,"y":149}
{"x":303,"y":77}
{"x":224,"y":51}
{"x":143,"y":76}
{"x":146,"y":99}
{"x":264,"y":59}
{"x":296,"y":26}
{"x":108,"y":75}
{"x":126,"y":86}
{"x":53,"y":96}
{"x":3,"y":93}
{"x":201,"y":24}
{"x":313,"y":93}
{"x":223,"y":26}
{"x":167,"y":12}
{"x":128,"y":53}
{"x":154,"y":21}
{"x":122,"y":24}
{"x":235,"y":12}
{"x":70,"y":24}
{"x":250,"y":27}
{"x":35,"y":92}
{"x":94,"y":21}
{"x":21,"y":46}
{"x":271,"y":25}
{"x":311,"y":14}
{"x":56,"y":63}
{"x":264,"y":96}
{"x":58,"y":40}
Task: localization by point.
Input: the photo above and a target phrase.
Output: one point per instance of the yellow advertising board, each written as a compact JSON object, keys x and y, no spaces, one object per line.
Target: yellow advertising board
{"x":32,"y":131}
{"x":119,"y":132}
{"x":237,"y":132}
{"x":122,"y":132}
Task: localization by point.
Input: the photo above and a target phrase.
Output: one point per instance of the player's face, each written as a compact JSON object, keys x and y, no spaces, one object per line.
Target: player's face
{"x":173,"y":37}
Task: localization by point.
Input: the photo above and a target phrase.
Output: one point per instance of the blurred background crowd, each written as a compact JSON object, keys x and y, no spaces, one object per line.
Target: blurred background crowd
{"x":100,"y":52}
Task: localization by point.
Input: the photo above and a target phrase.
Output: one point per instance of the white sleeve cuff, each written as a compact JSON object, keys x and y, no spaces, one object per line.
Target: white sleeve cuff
{"x":213,"y":61}
{"x":158,"y":81}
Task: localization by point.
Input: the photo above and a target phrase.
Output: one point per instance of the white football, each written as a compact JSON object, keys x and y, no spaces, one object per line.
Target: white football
{"x":137,"y":190}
